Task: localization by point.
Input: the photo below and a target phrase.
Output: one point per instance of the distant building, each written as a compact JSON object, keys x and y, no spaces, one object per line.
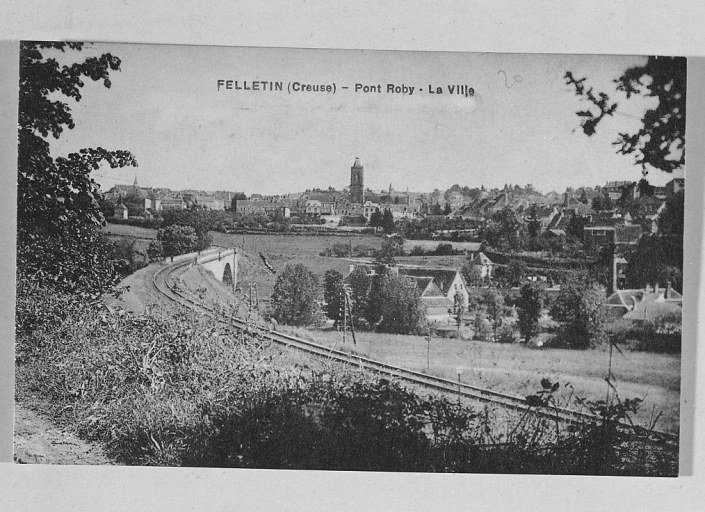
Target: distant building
{"x":436,"y":287}
{"x":486,"y":265}
{"x":357,"y":182}
{"x":120,"y":211}
{"x":212,"y":202}
{"x":674,"y":186}
{"x":643,"y":305}
{"x":615,"y":189}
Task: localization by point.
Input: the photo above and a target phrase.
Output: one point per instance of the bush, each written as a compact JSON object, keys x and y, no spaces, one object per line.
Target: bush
{"x":506,"y":334}
{"x":155,"y":251}
{"x":482,"y":328}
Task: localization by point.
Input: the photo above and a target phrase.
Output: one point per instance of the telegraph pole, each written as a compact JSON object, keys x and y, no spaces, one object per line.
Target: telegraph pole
{"x":345,"y":313}
{"x":348,"y":306}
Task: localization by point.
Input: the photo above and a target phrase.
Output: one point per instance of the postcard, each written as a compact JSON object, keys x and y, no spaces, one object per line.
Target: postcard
{"x":351,"y":260}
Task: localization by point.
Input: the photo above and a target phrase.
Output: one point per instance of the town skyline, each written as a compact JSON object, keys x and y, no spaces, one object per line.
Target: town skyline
{"x":381,"y":190}
{"x":519,"y":127}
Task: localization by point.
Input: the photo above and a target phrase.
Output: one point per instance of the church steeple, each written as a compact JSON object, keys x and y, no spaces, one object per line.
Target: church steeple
{"x":135,"y":183}
{"x":357,"y":182}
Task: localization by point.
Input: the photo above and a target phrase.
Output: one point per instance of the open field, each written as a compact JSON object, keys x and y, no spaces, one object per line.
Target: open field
{"x":303,"y":246}
{"x":518,"y":370}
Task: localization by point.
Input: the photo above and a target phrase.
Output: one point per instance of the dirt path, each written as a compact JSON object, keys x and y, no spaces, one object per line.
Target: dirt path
{"x":39,"y":441}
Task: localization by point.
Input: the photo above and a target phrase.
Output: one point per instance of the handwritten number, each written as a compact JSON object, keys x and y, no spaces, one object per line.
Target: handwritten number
{"x":515,"y":79}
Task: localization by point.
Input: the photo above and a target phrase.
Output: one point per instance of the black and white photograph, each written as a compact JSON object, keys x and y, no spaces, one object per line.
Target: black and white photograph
{"x":349,"y":260}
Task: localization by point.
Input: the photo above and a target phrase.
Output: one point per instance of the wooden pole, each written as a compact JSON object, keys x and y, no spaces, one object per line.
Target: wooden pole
{"x":345,"y":316}
{"x":352,"y":323}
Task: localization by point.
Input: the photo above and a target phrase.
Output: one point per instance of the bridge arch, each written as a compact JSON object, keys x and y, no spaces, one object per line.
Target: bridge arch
{"x":222,"y":263}
{"x":227,"y":278}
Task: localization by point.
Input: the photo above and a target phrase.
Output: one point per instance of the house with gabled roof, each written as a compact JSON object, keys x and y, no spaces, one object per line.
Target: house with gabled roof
{"x":436,"y":287}
{"x":643,"y":305}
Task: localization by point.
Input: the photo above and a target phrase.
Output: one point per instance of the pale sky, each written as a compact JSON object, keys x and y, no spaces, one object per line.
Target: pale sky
{"x":520,"y":127}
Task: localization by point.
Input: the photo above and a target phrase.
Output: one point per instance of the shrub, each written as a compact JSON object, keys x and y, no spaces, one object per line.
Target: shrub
{"x":482,"y":328}
{"x":155,"y":251}
{"x":506,"y":334}
{"x":363,"y":250}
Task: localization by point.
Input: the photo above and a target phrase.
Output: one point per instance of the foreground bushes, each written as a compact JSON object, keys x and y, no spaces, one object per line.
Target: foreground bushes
{"x":176,"y":390}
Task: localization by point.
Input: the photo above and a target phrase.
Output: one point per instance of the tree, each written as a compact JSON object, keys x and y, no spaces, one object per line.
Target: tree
{"x":376,"y":219}
{"x":505,"y":230}
{"x":388,"y":222}
{"x":200,"y":219}
{"x":458,"y":310}
{"x":391,"y":248}
{"x":601,"y":202}
{"x":656,"y":260}
{"x":660,"y":142}
{"x":177,"y":239}
{"x":294,"y":297}
{"x":58,"y":203}
{"x":530,"y":303}
{"x":333,"y":296}
{"x":373,"y":312}
{"x":575,"y":226}
{"x":400,"y":306}
{"x":578,"y":306}
{"x":670,"y":223}
{"x":360,"y":283}
{"x":472,"y":273}
{"x":516,"y":271}
{"x":238,"y":196}
{"x":494,"y":307}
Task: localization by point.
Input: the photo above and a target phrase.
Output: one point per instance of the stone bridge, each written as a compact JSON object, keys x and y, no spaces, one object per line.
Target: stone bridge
{"x":221,"y":262}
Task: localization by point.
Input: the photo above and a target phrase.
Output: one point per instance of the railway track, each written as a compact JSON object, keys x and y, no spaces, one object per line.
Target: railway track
{"x":161,"y":280}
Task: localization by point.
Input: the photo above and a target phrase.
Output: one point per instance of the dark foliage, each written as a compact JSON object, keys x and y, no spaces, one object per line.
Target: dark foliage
{"x":58,"y":208}
{"x":660,"y":142}
{"x":530,"y":303}
{"x":295,"y":294}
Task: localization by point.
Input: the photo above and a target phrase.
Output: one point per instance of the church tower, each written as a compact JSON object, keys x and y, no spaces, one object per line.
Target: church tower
{"x":357,"y":182}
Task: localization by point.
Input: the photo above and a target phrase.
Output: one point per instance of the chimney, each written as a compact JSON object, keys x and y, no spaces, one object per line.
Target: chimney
{"x":667,"y":295}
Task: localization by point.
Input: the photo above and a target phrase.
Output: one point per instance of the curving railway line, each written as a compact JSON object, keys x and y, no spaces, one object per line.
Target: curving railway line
{"x":161,"y":280}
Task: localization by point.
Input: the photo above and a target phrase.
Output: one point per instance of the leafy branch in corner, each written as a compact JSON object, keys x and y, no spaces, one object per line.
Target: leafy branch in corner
{"x":660,"y":142}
